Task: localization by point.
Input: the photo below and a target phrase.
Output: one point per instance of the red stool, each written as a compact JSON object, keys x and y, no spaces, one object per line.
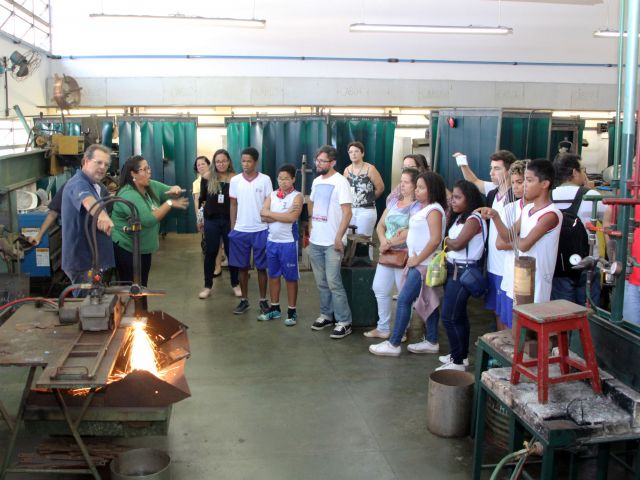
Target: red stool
{"x":546,"y":319}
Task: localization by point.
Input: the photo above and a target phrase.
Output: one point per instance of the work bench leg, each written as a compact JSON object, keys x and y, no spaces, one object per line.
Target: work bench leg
{"x":478,"y":442}
{"x":602,"y":469}
{"x":6,"y":417}
{"x":548,"y":471}
{"x":73,"y":426}
{"x":19,"y":417}
{"x":482,"y":364}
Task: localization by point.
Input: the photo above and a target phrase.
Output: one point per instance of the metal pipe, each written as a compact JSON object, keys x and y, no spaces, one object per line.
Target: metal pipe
{"x":615,"y":183}
{"x":627,"y":153}
{"x":336,"y":59}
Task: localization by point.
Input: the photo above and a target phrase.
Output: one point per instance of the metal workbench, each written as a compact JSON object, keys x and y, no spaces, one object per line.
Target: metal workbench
{"x":574,"y":416}
{"x":32,"y":338}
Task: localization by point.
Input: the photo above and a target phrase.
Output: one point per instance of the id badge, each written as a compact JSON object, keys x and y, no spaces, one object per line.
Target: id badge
{"x":353,"y":191}
{"x":221,"y":198}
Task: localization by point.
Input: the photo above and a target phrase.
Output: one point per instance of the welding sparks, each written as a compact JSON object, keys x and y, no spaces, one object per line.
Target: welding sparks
{"x":142,"y":353}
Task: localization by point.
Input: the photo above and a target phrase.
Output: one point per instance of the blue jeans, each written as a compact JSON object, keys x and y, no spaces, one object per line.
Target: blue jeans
{"x":575,"y":289}
{"x":454,"y":314}
{"x":406,"y":297}
{"x":631,"y":304}
{"x":326,"y":263}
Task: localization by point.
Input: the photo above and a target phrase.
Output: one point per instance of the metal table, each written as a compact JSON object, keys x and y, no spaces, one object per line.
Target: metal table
{"x":32,"y":338}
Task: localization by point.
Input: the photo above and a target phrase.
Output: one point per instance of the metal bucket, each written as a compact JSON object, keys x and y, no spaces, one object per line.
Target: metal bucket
{"x":449,"y":403}
{"x":141,"y":464}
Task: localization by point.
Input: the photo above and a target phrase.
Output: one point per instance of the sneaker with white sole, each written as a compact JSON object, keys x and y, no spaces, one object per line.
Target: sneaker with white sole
{"x":424,"y":346}
{"x":448,"y":359}
{"x":452,"y":366}
{"x":270,"y":315}
{"x":341,"y":331}
{"x":291,"y":320}
{"x":204,"y":293}
{"x":385,"y":349}
{"x":375,"y":333}
{"x":322,"y":322}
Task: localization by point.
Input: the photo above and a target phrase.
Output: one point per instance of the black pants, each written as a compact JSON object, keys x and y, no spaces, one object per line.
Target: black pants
{"x":124,"y":265}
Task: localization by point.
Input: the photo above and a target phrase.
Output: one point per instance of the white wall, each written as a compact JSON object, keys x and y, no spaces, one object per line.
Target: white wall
{"x":29,"y":93}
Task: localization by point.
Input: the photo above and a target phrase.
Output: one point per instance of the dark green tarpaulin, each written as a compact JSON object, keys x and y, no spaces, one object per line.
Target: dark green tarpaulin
{"x":169,"y":145}
{"x":283,"y":140}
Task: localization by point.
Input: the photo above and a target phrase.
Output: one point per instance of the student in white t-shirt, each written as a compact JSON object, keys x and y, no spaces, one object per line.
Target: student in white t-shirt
{"x":247,"y":193}
{"x":571,"y":176}
{"x":329,"y":215}
{"x":538,"y":227}
{"x":281,"y":211}
{"x":509,"y":215}
{"x":498,"y":193}
{"x":466,"y":232}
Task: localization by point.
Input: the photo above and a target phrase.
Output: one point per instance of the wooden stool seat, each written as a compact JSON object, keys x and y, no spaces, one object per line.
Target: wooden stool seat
{"x":558,"y":317}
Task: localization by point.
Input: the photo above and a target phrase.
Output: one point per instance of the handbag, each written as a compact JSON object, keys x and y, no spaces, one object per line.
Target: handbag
{"x":473,"y":281}
{"x":394,"y":258}
{"x":437,"y":269}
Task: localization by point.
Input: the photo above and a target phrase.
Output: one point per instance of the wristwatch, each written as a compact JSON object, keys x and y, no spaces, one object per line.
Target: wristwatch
{"x":170,"y":203}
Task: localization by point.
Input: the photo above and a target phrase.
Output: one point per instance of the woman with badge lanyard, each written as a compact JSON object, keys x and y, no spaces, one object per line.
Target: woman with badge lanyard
{"x":214,"y":195}
{"x":154,"y":200}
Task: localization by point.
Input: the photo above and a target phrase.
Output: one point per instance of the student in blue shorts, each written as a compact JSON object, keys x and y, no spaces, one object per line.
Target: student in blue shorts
{"x":281,"y":210}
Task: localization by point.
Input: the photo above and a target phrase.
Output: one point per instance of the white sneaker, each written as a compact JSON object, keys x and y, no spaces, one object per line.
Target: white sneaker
{"x":452,"y":366}
{"x":424,"y":346}
{"x":448,"y":359}
{"x":237,"y":291}
{"x":204,"y":293}
{"x":385,"y":349}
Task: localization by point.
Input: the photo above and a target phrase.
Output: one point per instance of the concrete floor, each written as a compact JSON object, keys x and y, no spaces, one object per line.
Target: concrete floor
{"x":276,"y":402}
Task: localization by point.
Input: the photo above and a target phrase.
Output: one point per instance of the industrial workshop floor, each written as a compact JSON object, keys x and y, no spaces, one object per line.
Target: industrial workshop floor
{"x":276,"y":402}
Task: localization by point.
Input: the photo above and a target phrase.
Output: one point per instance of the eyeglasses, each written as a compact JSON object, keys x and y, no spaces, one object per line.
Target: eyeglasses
{"x":222,"y":161}
{"x":323,"y":161}
{"x":101,"y":163}
{"x":145,"y":169}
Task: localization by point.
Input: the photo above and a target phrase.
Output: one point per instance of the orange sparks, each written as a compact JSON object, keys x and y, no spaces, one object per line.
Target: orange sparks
{"x":142,"y":353}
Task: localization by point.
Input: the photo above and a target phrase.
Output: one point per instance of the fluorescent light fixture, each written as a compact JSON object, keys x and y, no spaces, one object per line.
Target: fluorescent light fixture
{"x":468,"y":29}
{"x":606,"y":33}
{"x":220,"y":22}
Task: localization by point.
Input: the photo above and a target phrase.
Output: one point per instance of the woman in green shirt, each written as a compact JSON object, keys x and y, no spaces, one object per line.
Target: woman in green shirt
{"x":153,"y":200}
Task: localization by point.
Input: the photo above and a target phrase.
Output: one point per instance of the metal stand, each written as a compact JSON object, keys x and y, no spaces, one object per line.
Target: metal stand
{"x":73,"y":427}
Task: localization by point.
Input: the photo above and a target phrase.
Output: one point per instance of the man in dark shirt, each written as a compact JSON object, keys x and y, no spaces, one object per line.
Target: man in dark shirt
{"x":81,"y":192}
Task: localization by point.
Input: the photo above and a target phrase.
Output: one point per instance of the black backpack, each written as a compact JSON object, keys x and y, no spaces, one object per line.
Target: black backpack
{"x":573,"y":237}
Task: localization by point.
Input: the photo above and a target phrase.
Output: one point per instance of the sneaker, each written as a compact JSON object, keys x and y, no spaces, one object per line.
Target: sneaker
{"x":375,"y":333}
{"x":270,"y":315}
{"x":395,"y":297}
{"x":322,"y":322}
{"x":242,"y":307}
{"x":448,"y":359}
{"x":264,"y":306}
{"x":341,"y":331}
{"x":385,"y":349}
{"x":204,"y":293}
{"x":292,"y":320}
{"x":452,"y":366}
{"x":237,"y":291}
{"x":425,"y":346}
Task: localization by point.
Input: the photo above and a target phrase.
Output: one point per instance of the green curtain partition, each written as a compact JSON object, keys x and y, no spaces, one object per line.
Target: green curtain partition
{"x":376,"y":133}
{"x":169,"y":145}
{"x":283,"y":140}
{"x":526,"y":134}
{"x":475,"y":133}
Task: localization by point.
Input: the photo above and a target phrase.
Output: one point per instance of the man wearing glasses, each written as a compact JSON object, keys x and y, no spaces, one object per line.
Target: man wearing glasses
{"x":329,"y":213}
{"x":81,"y":192}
